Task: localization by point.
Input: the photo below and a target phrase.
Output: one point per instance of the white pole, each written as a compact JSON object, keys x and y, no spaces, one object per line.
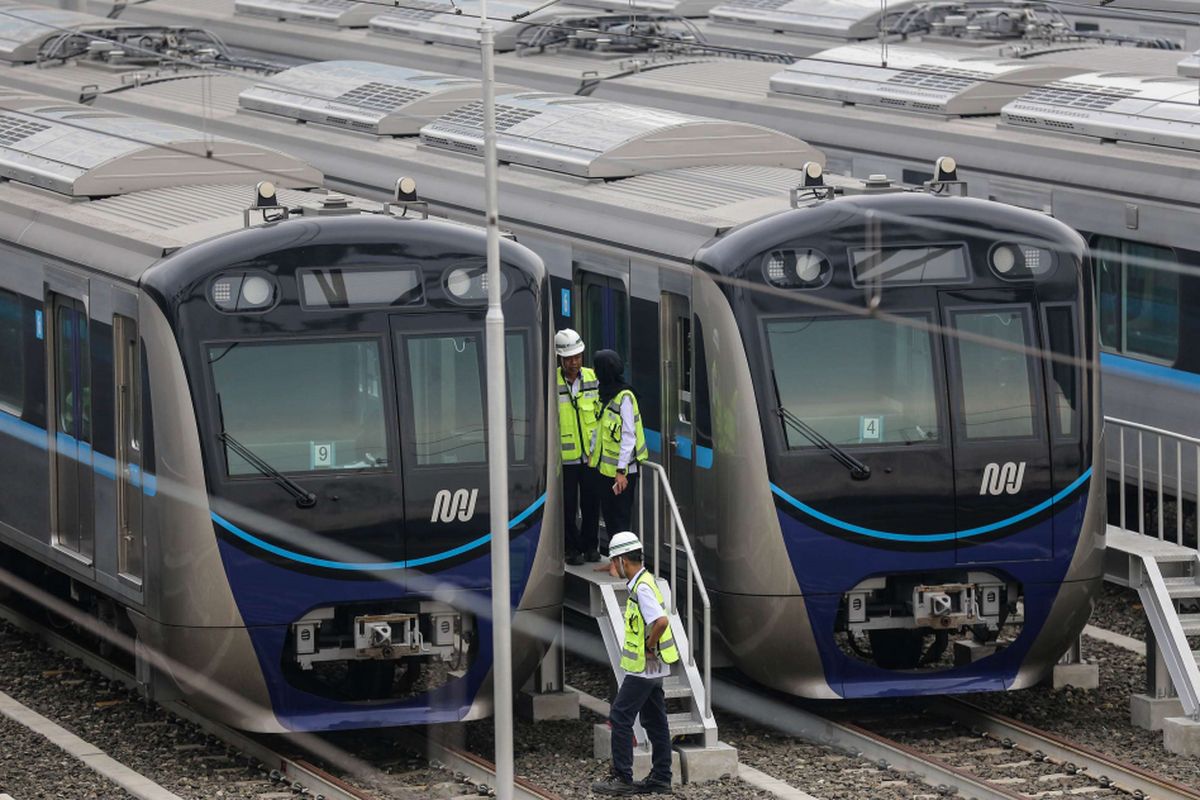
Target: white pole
{"x":497,"y":433}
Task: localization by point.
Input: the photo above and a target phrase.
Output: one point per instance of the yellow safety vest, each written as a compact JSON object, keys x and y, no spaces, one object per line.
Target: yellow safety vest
{"x":633,"y":654}
{"x":577,"y":415}
{"x":607,"y":452}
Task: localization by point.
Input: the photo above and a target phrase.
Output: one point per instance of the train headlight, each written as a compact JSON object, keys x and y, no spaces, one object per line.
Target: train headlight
{"x":798,"y":268}
{"x":470,"y":284}
{"x":1004,"y":258}
{"x":1020,"y":261}
{"x":256,"y":291}
{"x":242,"y":292}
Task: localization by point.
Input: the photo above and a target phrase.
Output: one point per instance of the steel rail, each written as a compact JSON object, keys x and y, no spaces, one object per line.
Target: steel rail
{"x":1124,"y":776}
{"x":475,"y":767}
{"x":786,"y":717}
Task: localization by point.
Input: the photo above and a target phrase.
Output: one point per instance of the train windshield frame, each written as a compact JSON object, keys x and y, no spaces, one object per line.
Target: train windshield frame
{"x":895,"y":364}
{"x":277,"y":397}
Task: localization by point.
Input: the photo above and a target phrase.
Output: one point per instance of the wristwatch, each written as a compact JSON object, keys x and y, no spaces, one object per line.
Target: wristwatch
{"x":621,"y":470}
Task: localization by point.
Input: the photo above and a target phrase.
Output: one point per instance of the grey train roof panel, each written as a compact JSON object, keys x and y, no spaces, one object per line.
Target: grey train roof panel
{"x":600,"y":139}
{"x":25,"y":28}
{"x":917,"y":80}
{"x":360,"y":96}
{"x":839,"y":19}
{"x":342,"y":13}
{"x":1150,"y":110}
{"x":1189,"y":67}
{"x":79,"y":151}
{"x":441,"y":23}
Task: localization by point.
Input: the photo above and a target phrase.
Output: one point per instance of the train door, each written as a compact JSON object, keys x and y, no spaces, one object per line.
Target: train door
{"x":677,"y":426}
{"x":70,"y":416}
{"x":128,"y":449}
{"x":1002,"y":470}
{"x":605,"y":318}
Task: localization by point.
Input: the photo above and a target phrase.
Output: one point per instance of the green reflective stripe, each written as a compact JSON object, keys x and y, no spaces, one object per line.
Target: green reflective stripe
{"x":591,"y":384}
{"x":607,"y":460}
{"x":569,"y":446}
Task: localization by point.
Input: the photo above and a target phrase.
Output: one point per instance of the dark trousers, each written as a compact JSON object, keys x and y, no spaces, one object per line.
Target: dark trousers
{"x":581,"y":496}
{"x":645,"y":697}
{"x":617,"y":508}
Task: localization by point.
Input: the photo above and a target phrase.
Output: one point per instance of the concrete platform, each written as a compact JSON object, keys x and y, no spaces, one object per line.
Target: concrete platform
{"x":1076,"y":676}
{"x":703,"y":764}
{"x":1148,"y":712}
{"x":547,"y":706}
{"x":1181,"y":735}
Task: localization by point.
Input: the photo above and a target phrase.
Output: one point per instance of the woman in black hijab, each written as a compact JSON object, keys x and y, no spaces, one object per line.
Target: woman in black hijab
{"x":620,"y":442}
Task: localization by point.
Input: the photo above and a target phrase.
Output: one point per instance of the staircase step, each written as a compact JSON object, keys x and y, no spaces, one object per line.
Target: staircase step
{"x":684,"y":723}
{"x":1190,"y":623}
{"x":1182,"y":588}
{"x":673,"y":687}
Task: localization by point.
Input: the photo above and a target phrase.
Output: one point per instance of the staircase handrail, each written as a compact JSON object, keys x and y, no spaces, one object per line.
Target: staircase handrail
{"x":679,"y":534}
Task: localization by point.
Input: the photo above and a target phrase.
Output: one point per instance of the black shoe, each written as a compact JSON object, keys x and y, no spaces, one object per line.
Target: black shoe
{"x":653,"y":787}
{"x":575,"y":559}
{"x":615,"y":786}
{"x":593,"y":556}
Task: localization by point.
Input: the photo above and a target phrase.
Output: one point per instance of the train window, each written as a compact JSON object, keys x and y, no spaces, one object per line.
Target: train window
{"x":73,"y":379}
{"x":518,"y":403}
{"x":1138,"y":288}
{"x":941,"y":263}
{"x":126,"y":359}
{"x":447,"y":399}
{"x":355,"y":287}
{"x":855,"y":380}
{"x":683,"y":347}
{"x":1064,"y":376}
{"x":12,"y":354}
{"x":606,"y":316}
{"x":997,"y":382}
{"x":302,"y":406}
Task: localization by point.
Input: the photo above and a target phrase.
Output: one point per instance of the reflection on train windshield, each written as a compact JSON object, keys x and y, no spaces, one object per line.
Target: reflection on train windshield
{"x":302,"y":406}
{"x":855,"y":380}
{"x":997,"y":382}
{"x":446,"y":379}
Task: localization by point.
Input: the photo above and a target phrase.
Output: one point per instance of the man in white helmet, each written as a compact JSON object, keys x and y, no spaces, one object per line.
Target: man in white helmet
{"x":578,"y":411}
{"x":646,"y":658}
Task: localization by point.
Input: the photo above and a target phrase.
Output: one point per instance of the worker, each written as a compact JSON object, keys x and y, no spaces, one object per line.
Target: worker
{"x":646,"y":658}
{"x":578,"y":410}
{"x":620,"y":442}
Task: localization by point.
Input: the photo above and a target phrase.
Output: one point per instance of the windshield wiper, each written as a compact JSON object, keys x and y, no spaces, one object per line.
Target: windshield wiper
{"x":858,"y":470}
{"x":304,"y":498}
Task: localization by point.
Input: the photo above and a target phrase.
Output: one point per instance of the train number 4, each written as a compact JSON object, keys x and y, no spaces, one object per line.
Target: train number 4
{"x":1002,"y":478}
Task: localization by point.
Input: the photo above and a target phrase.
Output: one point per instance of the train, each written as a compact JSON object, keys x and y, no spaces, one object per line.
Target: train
{"x":702,"y":250}
{"x":1086,"y":120}
{"x":241,"y":422}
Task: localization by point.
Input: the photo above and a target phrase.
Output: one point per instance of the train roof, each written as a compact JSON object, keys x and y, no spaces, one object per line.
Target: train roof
{"x":25,"y":28}
{"x":576,"y":165}
{"x":117,"y":193}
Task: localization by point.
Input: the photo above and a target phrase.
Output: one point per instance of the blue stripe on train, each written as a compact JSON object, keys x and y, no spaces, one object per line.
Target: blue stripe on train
{"x":933,"y":537}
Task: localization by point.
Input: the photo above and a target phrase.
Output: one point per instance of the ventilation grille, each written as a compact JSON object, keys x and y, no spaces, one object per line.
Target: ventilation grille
{"x":938,"y":78}
{"x":471,"y":116}
{"x":1074,"y":95}
{"x":15,"y":130}
{"x":381,"y":96}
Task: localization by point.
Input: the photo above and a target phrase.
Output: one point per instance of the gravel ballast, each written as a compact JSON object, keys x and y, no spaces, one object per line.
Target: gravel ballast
{"x":32,"y":767}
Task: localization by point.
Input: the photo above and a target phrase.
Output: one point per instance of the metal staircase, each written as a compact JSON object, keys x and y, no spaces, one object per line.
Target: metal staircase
{"x":1165,"y":574}
{"x":603,"y":597}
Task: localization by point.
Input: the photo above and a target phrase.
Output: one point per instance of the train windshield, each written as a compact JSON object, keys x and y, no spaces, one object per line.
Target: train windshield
{"x":311,"y":406}
{"x":855,"y":380}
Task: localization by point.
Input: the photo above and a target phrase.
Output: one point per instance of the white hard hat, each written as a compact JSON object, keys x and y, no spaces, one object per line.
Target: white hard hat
{"x":567,"y":343}
{"x":622,"y":543}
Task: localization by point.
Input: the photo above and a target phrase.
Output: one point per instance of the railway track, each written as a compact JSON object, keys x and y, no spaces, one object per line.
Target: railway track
{"x":291,"y":767}
{"x":987,"y":755}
